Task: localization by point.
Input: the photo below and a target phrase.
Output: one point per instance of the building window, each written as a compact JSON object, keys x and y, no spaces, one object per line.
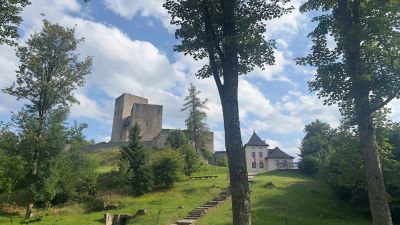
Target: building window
{"x":260,"y":154}
{"x":253,"y":165}
{"x":261,"y":164}
{"x":254,"y":156}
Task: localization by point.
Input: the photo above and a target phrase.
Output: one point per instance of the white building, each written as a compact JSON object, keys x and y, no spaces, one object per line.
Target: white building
{"x":259,"y":158}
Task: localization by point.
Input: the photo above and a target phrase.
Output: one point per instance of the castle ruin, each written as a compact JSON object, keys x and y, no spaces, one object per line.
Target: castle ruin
{"x":130,"y":109}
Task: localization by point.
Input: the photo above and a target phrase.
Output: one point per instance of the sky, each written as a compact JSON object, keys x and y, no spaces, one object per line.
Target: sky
{"x":131,"y":43}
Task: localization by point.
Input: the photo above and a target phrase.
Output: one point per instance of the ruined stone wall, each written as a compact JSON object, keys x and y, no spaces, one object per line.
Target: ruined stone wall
{"x":160,"y":139}
{"x":149,"y":118}
{"x":122,"y":110}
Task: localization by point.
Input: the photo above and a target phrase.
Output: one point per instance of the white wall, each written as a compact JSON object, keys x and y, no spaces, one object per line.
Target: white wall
{"x":249,"y":158}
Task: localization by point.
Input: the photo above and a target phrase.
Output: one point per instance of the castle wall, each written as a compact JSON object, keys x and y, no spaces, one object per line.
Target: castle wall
{"x":149,"y":118}
{"x":160,"y":139}
{"x":122,"y":110}
{"x":130,"y":109}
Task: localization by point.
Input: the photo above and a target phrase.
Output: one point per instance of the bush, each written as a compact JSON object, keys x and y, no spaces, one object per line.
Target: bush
{"x":223,"y":161}
{"x":309,"y":165}
{"x":207,"y":154}
{"x":166,"y":166}
{"x":177,"y":139}
{"x":192,"y":162}
{"x":77,"y":177}
{"x":12,"y":172}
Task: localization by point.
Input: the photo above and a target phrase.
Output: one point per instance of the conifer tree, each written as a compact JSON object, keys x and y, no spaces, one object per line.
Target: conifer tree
{"x":195,"y":121}
{"x":134,"y":154}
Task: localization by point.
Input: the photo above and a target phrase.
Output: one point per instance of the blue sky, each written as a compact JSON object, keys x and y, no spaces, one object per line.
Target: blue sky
{"x":132,"y":41}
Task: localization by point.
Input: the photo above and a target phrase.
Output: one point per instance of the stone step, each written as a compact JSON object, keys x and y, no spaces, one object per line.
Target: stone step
{"x":208,"y":206}
{"x":186,"y":222}
{"x":195,"y":214}
{"x":192,"y":217}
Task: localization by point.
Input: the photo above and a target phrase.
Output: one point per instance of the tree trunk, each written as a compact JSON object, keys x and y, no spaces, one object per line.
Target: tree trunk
{"x":236,"y":158}
{"x":229,"y":100}
{"x":348,"y":15}
{"x":378,"y":201}
{"x":35,"y":160}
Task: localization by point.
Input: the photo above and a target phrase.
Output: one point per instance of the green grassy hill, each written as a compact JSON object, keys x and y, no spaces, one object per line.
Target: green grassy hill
{"x":289,"y":198}
{"x":280,"y":197}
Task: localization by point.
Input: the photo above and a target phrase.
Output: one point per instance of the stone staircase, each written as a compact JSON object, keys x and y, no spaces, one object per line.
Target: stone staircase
{"x":198,"y":212}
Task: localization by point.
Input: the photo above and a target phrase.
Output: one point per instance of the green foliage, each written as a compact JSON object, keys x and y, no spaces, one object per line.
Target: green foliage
{"x":317,"y":139}
{"x":315,"y":146}
{"x":200,"y":27}
{"x":207,"y":154}
{"x":10,"y":20}
{"x":78,"y":177}
{"x":135,"y":157}
{"x":343,"y":168}
{"x":231,"y":35}
{"x":223,"y":161}
{"x":12,"y":172}
{"x":167,"y":165}
{"x":50,"y":69}
{"x":309,"y":165}
{"x":75,"y":133}
{"x":192,"y":162}
{"x":365,"y":60}
{"x":177,"y":139}
{"x":195,"y":121}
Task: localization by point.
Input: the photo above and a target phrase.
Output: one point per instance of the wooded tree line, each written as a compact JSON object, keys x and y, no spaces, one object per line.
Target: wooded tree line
{"x":332,"y":155}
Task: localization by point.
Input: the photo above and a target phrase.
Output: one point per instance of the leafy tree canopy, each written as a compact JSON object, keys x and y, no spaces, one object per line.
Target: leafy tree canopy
{"x":10,"y":19}
{"x":379,"y":36}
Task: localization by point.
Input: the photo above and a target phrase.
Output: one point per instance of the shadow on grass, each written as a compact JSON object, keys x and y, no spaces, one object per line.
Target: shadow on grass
{"x":304,"y":202}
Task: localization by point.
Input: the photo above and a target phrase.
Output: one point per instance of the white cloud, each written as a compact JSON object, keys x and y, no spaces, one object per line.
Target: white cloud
{"x":309,"y":108}
{"x":89,"y":108}
{"x":289,"y":24}
{"x":274,"y":72}
{"x":395,"y":107}
{"x":128,"y":9}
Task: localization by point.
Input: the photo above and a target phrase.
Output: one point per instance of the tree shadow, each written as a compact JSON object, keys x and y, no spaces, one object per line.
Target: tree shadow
{"x":305,"y":201}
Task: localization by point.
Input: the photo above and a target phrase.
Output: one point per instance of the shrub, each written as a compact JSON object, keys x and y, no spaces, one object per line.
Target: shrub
{"x":207,"y":154}
{"x":192,"y":162}
{"x":177,"y":139}
{"x":223,"y":161}
{"x":77,"y":177}
{"x":166,"y":166}
{"x":309,"y":165}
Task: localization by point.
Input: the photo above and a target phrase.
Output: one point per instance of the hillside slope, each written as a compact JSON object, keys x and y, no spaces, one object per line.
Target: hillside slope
{"x":286,"y":198}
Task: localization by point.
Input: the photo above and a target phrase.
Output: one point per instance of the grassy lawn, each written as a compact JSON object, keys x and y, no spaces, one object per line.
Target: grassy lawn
{"x":292,"y":199}
{"x":162,"y":206}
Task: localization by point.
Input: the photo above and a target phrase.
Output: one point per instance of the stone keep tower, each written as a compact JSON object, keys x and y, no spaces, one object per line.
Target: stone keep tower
{"x":130,"y":109}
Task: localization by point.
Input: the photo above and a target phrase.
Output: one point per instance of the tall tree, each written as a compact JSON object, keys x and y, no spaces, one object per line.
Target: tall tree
{"x":50,"y":70}
{"x":361,"y":74}
{"x":195,"y":121}
{"x":10,"y":20}
{"x":230,"y":33}
{"x":134,"y":154}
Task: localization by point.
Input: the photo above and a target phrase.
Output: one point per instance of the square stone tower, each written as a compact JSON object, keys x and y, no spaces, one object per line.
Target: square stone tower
{"x":130,"y":109}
